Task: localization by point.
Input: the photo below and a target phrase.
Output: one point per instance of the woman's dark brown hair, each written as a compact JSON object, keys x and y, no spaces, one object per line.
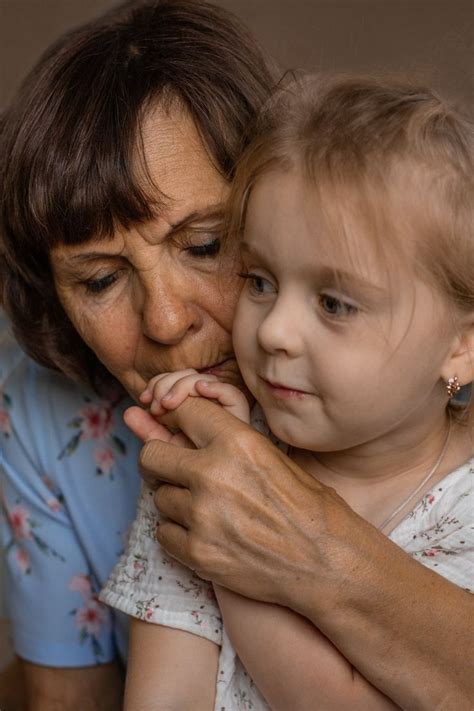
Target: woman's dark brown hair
{"x":68,"y":140}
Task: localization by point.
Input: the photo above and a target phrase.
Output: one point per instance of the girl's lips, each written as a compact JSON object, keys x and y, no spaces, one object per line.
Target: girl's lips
{"x":281,"y":391}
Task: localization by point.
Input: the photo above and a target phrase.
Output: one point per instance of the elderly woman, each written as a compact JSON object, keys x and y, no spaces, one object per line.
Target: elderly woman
{"x":116,"y":159}
{"x":70,"y":477}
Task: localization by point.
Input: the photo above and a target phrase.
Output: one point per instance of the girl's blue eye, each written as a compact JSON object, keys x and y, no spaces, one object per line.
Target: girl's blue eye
{"x":258,"y":285}
{"x":334,"y":307}
{"x":97,"y":286}
{"x":209,"y":249}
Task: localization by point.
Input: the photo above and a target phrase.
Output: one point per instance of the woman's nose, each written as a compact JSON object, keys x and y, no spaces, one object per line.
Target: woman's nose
{"x":168,"y":315}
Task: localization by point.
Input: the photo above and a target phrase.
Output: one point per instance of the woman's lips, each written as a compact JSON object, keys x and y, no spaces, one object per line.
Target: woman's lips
{"x":218,"y":368}
{"x":282,"y":392}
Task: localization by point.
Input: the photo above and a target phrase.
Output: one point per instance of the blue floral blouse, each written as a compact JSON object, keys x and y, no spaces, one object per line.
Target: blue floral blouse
{"x":69,"y":486}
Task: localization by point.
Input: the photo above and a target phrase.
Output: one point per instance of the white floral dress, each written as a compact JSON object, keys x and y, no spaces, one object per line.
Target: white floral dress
{"x":149,"y":585}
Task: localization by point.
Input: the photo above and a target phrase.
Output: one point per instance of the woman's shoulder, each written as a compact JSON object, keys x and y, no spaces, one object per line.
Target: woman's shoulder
{"x":56,"y":423}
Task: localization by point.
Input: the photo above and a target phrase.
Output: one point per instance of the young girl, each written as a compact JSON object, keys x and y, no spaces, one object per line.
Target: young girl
{"x":354,"y":332}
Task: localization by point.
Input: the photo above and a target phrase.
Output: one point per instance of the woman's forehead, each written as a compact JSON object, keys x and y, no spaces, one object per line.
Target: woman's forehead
{"x":172,"y":160}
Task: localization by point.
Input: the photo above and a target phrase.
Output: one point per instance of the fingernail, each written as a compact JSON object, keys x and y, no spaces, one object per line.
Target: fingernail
{"x":168,"y":396}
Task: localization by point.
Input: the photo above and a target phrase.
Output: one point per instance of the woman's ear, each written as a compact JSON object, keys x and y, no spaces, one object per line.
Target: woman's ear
{"x":460,"y":362}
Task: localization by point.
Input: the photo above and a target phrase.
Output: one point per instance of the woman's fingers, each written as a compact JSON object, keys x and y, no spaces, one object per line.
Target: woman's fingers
{"x":144,"y":426}
{"x":202,"y":421}
{"x":174,"y":503}
{"x":165,"y":462}
{"x":174,"y":539}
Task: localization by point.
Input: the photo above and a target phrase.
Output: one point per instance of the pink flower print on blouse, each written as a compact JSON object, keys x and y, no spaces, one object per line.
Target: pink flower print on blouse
{"x":145,"y":609}
{"x":82,"y":584}
{"x":19,"y":518}
{"x":55,"y":501}
{"x":22,"y":560}
{"x":53,"y":505}
{"x":105,"y":459}
{"x":24,"y":528}
{"x":5,"y":422}
{"x":437,"y":550}
{"x":91,"y":616}
{"x":95,"y":423}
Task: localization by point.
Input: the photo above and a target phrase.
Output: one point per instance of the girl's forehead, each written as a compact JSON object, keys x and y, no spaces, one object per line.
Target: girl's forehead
{"x":326,"y":224}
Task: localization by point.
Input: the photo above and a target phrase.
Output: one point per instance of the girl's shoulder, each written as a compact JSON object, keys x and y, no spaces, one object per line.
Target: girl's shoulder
{"x":439,"y":531}
{"x":451,"y":495}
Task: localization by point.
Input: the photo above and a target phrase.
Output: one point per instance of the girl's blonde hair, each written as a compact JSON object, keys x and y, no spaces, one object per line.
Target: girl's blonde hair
{"x":402,"y":151}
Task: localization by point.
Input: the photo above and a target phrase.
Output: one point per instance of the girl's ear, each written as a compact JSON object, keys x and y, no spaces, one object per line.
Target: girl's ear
{"x":461,"y":360}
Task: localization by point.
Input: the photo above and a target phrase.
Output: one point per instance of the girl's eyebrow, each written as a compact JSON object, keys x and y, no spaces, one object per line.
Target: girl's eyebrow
{"x":339,"y":277}
{"x":329,"y":276}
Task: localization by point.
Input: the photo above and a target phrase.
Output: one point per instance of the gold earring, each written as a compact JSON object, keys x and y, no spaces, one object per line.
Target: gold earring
{"x":453,"y":386}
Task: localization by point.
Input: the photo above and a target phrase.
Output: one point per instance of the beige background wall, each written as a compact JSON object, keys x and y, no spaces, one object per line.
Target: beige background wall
{"x":430,"y":38}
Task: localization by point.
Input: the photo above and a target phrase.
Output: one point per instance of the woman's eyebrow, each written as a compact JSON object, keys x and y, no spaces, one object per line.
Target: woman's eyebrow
{"x":211,"y":212}
{"x":83,"y":257}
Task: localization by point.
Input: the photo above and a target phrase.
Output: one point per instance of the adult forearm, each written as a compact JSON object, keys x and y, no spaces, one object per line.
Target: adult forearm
{"x":89,"y":689}
{"x":406,"y":629}
{"x":243,"y":515}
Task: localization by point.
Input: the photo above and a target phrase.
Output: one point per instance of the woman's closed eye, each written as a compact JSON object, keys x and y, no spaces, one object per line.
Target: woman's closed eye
{"x":209,"y":249}
{"x":334,"y":307}
{"x":100,"y":284}
{"x":201,"y":242}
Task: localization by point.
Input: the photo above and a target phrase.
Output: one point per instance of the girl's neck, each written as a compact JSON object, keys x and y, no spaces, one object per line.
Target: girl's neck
{"x":375,"y":478}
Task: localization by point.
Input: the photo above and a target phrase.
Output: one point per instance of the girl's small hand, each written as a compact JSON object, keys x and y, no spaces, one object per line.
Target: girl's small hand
{"x":160,"y":385}
{"x":230,"y":397}
{"x":167,"y":391}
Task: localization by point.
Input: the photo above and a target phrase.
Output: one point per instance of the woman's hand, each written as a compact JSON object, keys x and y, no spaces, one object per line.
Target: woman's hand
{"x":243,"y":515}
{"x":240,"y":512}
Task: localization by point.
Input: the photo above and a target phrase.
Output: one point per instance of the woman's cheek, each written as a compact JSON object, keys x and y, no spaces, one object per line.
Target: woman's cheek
{"x":107,"y":330}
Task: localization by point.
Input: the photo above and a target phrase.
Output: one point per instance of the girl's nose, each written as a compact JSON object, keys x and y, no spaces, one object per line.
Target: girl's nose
{"x":280,"y":331}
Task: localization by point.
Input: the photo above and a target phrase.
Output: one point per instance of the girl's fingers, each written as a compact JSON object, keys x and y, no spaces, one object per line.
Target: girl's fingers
{"x":163,"y":381}
{"x":226,"y":395}
{"x":182,"y":389}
